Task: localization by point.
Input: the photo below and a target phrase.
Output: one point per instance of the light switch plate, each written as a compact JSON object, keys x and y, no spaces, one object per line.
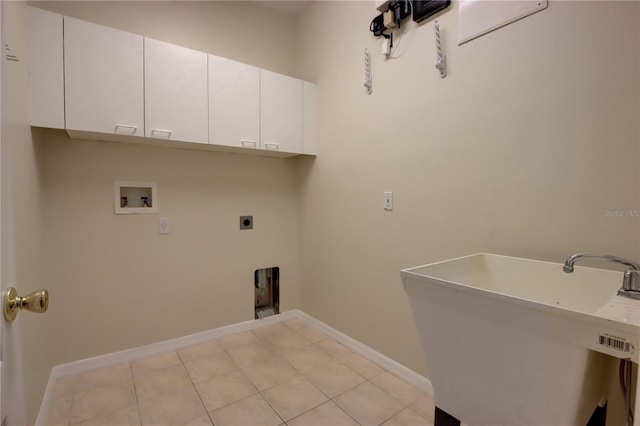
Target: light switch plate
{"x":388,"y":200}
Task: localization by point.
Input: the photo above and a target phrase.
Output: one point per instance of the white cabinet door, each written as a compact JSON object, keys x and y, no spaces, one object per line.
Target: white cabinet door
{"x":46,"y":68}
{"x":104,"y":89}
{"x":176,"y":100}
{"x":234,"y":103}
{"x":280,"y":112}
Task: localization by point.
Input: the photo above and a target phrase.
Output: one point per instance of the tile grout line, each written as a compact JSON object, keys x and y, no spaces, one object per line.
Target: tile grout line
{"x":304,"y":376}
{"x":269,"y":403}
{"x":280,"y":356}
{"x":315,"y":344}
{"x":243,"y":374}
{"x":261,"y":391}
{"x":135,"y":392}
{"x":201,"y":401}
{"x":210,"y":413}
{"x":167,"y":393}
{"x":333,"y":357}
{"x":367,"y":380}
{"x":73,"y":398}
{"x":193,"y":385}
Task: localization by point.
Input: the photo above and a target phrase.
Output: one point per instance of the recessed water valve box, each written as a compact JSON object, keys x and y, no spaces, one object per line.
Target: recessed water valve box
{"x":135,"y":197}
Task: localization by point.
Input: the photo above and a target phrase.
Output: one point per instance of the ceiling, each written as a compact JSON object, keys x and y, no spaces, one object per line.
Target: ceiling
{"x":289,"y":7}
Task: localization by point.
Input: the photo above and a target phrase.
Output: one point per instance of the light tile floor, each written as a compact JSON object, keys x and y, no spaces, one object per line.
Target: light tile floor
{"x":287,"y":373}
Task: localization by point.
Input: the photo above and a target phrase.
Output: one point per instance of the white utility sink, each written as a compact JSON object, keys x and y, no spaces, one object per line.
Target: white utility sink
{"x":512,"y":341}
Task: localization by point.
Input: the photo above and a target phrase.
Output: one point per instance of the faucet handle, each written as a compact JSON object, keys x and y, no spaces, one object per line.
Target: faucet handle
{"x":631,"y":280}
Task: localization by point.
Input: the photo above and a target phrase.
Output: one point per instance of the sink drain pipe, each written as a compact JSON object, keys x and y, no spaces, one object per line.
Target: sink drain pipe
{"x":626,"y":377}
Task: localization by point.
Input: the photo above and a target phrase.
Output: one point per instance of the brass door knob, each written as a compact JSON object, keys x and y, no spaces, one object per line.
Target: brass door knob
{"x":38,"y":301}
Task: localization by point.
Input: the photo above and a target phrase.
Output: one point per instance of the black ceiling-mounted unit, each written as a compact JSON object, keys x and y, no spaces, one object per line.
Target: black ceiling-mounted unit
{"x":422,"y":9}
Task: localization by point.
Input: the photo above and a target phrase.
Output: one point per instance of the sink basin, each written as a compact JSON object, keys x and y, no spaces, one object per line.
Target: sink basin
{"x":511,"y":341}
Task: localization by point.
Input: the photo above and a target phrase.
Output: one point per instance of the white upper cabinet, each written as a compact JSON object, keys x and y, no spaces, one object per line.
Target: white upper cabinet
{"x":280,"y":112}
{"x":234,"y":103}
{"x":46,"y":68}
{"x":104,"y":79}
{"x":101,"y":83}
{"x":176,"y":100}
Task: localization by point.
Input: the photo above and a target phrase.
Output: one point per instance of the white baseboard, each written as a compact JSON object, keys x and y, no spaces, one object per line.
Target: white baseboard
{"x":167,"y":345}
{"x":128,"y":355}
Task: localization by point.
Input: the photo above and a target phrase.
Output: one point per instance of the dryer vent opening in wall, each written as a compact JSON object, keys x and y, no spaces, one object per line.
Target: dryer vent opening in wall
{"x":267,"y":292}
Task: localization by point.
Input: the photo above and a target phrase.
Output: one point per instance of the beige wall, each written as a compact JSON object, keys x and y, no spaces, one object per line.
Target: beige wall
{"x":115,"y":283}
{"x":240,"y":30}
{"x":532,"y":135}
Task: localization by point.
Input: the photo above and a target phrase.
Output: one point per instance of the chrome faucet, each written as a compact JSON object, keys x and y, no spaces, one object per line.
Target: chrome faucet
{"x":630,"y":281}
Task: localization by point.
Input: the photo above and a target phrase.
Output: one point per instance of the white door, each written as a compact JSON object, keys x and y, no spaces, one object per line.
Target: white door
{"x":12,"y":390}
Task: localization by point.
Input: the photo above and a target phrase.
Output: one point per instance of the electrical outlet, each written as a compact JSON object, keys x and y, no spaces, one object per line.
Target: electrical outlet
{"x":163,"y":225}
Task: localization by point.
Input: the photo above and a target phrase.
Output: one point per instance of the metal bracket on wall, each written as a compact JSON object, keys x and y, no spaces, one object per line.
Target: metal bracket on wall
{"x":441,"y":61}
{"x":367,"y":71}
